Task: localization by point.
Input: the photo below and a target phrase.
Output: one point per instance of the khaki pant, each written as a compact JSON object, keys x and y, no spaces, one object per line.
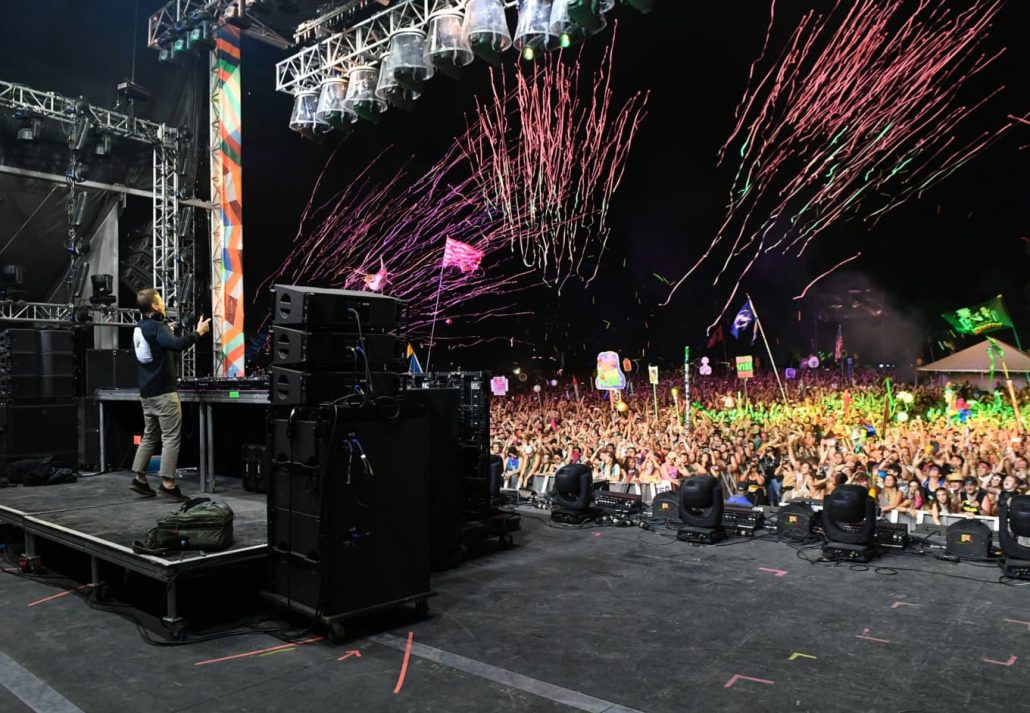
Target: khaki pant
{"x":162,"y":420}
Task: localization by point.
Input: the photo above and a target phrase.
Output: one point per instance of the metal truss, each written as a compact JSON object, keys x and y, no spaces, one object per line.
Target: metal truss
{"x":54,"y":106}
{"x":360,"y":42}
{"x":178,"y":15}
{"x":17,"y":311}
{"x":319,"y":26}
{"x":169,"y":267}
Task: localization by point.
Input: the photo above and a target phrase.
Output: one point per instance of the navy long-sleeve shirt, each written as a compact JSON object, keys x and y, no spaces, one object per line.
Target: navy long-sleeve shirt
{"x":155,"y":348}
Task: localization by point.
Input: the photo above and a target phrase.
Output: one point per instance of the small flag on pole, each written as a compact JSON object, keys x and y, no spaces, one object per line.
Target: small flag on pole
{"x":717,"y":336}
{"x":743,"y":320}
{"x":376,"y":281}
{"x":463,"y":256}
{"x":838,"y":346}
{"x":413,"y":366}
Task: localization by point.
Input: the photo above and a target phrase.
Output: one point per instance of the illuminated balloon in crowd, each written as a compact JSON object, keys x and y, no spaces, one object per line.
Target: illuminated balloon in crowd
{"x":536,"y":389}
{"x":902,"y":417}
{"x":905,"y":397}
{"x":705,"y":369}
{"x":609,"y":375}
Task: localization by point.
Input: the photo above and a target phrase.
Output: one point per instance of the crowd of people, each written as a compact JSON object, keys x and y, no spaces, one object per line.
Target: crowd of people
{"x":955,"y":450}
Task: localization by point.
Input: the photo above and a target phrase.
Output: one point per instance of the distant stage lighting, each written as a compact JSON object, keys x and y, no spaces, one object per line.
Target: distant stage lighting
{"x":573,"y":494}
{"x":361,"y":93}
{"x":445,"y":46}
{"x":103,"y":147}
{"x":849,"y":521}
{"x":1013,"y":522}
{"x":407,"y":59}
{"x":12,"y":282}
{"x":199,"y":38}
{"x":304,"y":107}
{"x":588,"y":14}
{"x":486,"y":29}
{"x":701,"y":507}
{"x":78,"y":212}
{"x":533,"y":31}
{"x":643,"y":6}
{"x":103,"y":289}
{"x":331,"y":108}
{"x":30,"y":129}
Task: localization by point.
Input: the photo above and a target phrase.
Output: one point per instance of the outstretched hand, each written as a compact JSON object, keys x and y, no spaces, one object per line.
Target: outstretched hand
{"x":203,"y":325}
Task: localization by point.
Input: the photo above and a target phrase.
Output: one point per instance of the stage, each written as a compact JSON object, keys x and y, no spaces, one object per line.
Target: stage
{"x":595,"y":619}
{"x":100,"y":517}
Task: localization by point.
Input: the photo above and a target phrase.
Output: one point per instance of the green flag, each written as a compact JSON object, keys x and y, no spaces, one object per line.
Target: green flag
{"x":988,"y":317}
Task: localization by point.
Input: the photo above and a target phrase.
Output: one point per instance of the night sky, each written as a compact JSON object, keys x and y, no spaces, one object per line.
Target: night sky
{"x":965,"y":241}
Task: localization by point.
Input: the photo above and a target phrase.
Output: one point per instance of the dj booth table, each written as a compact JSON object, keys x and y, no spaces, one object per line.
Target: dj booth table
{"x":205,"y":400}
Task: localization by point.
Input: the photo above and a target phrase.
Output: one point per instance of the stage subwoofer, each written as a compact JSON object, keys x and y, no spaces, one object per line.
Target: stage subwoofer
{"x":794,"y":523}
{"x":971,"y":539}
{"x":666,"y":506}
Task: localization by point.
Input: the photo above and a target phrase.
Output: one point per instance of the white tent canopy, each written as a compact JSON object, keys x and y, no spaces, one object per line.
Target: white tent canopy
{"x":973,"y":364}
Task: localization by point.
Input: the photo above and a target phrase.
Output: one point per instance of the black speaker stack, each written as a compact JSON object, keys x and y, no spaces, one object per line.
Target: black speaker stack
{"x":462,"y":492}
{"x":346,"y":459}
{"x":335,"y":345}
{"x":38,"y":410}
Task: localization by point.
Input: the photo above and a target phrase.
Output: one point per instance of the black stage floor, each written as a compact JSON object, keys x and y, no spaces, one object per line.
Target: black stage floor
{"x":596,"y":619}
{"x":103,"y":507}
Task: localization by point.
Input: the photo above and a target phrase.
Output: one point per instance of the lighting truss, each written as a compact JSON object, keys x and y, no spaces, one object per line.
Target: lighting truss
{"x":172,"y":19}
{"x":165,"y":141}
{"x":54,"y":106}
{"x":306,"y":68}
{"x":17,"y":311}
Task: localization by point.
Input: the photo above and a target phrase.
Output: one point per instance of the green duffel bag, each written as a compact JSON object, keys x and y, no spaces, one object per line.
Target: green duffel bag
{"x":199,"y":524}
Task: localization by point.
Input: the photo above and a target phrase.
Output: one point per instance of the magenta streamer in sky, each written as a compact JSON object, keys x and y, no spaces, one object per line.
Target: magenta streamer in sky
{"x":556,"y":142}
{"x":857,"y":114}
{"x":528,"y":186}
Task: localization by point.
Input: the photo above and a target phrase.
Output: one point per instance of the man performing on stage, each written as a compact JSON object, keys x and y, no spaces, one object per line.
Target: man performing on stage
{"x":155,"y":346}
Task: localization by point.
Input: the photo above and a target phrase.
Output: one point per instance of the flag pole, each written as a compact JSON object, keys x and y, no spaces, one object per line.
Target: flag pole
{"x":436,"y":312}
{"x":1019,"y":346}
{"x":776,"y":372}
{"x":1008,"y":383}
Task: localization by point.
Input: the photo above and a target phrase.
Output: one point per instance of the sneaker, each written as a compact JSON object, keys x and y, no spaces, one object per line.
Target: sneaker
{"x":173,"y":493}
{"x":142,"y":488}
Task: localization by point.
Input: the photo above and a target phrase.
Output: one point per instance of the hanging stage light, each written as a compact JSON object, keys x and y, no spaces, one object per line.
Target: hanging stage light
{"x":533,"y":33}
{"x":643,"y":6}
{"x":589,"y":14}
{"x":567,"y":30}
{"x":410,"y":69}
{"x":103,"y":147}
{"x":304,"y":107}
{"x":330,"y":109}
{"x":445,"y":47}
{"x":389,"y":89}
{"x":30,"y":129}
{"x":78,"y":209}
{"x":361,"y":93}
{"x":486,"y":29}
